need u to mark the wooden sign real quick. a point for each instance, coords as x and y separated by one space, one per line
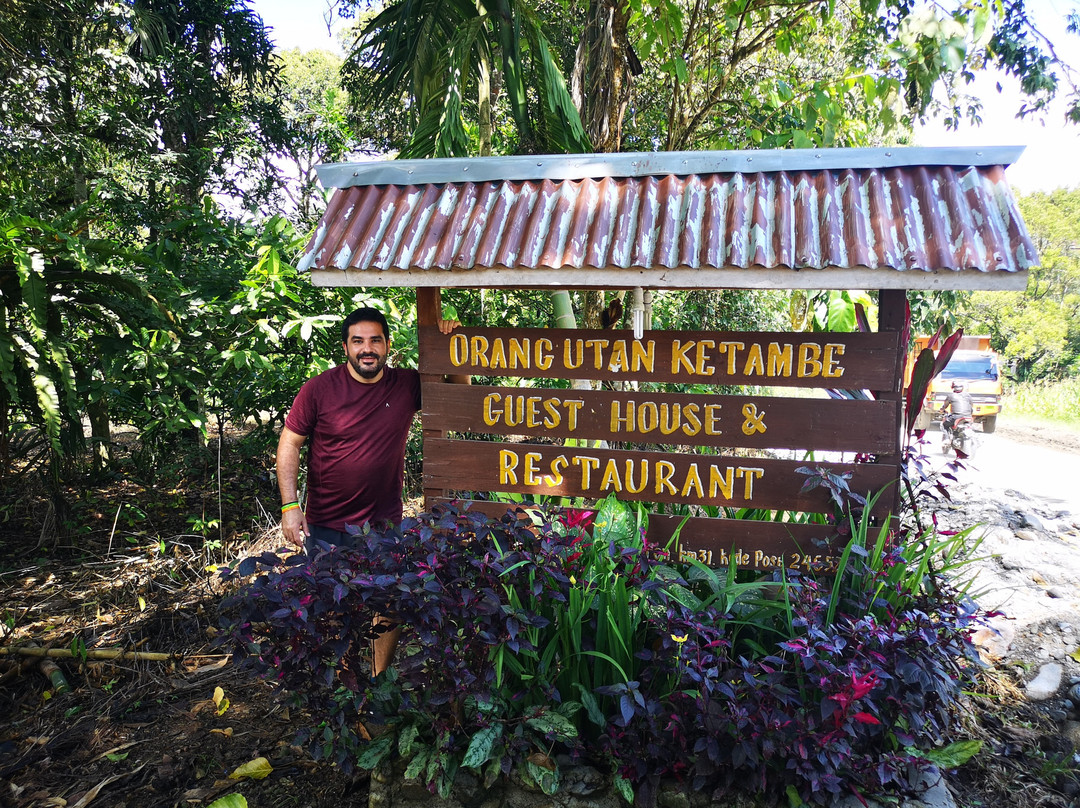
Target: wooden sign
763 546
544 435
756 422
639 476
849 361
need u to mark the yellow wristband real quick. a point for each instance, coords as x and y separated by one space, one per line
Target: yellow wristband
288 506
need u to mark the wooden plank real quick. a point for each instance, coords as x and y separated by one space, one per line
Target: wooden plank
848 361
759 422
893 317
428 312
763 546
642 476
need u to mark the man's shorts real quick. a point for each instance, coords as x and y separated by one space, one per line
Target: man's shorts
318 533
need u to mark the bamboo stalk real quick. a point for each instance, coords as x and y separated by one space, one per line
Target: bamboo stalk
97 653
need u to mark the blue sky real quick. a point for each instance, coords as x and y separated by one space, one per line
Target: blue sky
1052 157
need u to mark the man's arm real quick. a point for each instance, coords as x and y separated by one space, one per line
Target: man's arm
293 521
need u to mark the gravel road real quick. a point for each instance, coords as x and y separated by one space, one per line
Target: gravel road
1023 488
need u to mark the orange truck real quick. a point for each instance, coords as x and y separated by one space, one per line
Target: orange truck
978 368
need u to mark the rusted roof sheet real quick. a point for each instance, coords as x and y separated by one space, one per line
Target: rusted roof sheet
900 218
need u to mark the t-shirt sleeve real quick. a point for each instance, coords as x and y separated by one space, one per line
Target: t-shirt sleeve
302 415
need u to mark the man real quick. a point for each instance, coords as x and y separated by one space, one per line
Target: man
958 404
357 416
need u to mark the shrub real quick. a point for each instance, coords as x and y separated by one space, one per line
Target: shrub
527 639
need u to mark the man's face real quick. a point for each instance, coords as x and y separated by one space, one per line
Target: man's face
366 350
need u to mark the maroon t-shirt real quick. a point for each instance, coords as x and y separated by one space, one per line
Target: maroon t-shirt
356 444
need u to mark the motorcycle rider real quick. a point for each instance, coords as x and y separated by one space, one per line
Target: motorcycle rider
958 404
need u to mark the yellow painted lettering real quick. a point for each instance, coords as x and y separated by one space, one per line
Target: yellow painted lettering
749 474
643 356
721 483
692 421
618 361
664 470
491 417
498 355
670 418
572 407
833 352
619 422
597 346
478 347
780 359
532 411
809 360
514 412
557 465
692 482
647 417
702 366
587 465
531 471
519 353
554 417
568 358
508 462
610 480
712 419
459 344
679 357
755 361
732 350
643 477
543 358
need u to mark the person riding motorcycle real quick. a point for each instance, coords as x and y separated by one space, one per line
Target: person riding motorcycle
958 404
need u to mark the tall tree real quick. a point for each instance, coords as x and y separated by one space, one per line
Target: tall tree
1038 330
429 55
748 73
315 111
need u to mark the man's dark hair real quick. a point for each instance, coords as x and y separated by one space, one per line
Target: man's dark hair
366 314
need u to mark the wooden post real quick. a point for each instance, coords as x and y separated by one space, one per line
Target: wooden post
428 312
892 316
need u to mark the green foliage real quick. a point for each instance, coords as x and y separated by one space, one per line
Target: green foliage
1037 331
760 75
436 52
316 127
54 289
1046 400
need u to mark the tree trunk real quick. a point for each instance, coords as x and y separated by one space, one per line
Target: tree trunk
602 80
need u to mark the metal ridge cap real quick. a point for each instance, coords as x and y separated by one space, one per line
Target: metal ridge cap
558 167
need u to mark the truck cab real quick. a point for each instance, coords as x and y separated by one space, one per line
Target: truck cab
978 368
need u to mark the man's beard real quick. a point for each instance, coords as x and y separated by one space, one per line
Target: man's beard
368 371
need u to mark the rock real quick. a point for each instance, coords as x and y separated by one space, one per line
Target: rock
669 798
1028 519
935 795
583 781
993 640
1074 691
1046 683
1026 535
1060 593
1071 733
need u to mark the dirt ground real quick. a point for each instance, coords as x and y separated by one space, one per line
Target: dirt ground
1045 435
158 731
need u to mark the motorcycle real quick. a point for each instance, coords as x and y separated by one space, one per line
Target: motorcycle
960 437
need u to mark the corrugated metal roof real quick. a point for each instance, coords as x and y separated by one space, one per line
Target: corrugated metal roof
915 215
